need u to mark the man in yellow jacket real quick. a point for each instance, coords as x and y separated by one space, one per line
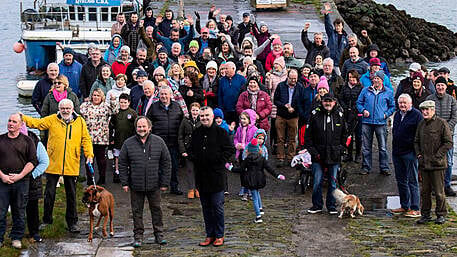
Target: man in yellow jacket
67 133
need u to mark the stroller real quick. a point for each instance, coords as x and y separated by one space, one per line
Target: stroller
302 162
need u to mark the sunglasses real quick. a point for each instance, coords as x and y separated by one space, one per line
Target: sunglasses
57 82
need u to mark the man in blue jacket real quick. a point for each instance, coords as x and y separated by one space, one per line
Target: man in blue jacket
174 37
72 69
228 92
337 37
376 103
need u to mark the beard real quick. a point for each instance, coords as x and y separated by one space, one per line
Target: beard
142 134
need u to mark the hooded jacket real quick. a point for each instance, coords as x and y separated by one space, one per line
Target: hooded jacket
313 49
263 107
445 108
250 132
365 80
64 142
384 63
119 66
251 171
188 125
112 52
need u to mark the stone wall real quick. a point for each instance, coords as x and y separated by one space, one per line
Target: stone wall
402 38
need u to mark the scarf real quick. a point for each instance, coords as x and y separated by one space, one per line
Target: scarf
59 96
276 53
253 98
207 83
150 102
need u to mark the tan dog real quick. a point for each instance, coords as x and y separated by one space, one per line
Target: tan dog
101 204
350 202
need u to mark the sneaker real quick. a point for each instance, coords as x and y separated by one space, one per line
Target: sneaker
244 197
398 211
73 228
159 239
137 243
314 210
37 238
190 194
208 241
364 172
261 211
332 211
440 220
258 219
385 172
218 242
226 193
449 192
16 244
413 214
424 219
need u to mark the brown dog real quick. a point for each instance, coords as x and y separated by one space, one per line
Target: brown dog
101 204
351 202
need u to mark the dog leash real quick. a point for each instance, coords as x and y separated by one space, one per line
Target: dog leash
340 186
92 172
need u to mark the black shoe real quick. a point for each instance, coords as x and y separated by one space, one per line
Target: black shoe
332 211
358 158
348 158
74 228
385 172
424 219
440 220
449 192
116 178
280 163
314 210
101 180
159 239
364 172
176 192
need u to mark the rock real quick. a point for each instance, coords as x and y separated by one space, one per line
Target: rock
399 60
407 43
404 52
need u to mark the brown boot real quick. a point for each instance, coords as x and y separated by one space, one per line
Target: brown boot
190 194
197 194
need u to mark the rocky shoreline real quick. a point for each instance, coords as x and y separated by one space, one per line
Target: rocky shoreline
402 38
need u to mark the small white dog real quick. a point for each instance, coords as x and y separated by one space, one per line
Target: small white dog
349 202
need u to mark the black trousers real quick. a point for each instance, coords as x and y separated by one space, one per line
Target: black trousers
71 214
33 219
137 203
100 157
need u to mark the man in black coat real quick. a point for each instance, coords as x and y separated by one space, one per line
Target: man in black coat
210 149
144 168
166 117
325 139
89 72
42 87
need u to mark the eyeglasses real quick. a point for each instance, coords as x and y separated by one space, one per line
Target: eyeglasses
159 75
57 82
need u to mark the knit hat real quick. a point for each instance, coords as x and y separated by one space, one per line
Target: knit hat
380 74
229 18
125 48
253 146
211 64
135 71
193 43
191 64
255 78
162 50
246 14
68 50
280 61
375 62
276 41
414 66
418 75
307 65
158 70
262 23
323 84
373 47
141 73
92 46
218 113
441 79
261 132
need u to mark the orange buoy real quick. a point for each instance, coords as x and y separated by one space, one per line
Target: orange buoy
18 47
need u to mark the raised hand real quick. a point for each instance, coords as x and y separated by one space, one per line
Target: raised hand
364 33
190 20
141 23
197 14
307 25
159 19
216 12
212 8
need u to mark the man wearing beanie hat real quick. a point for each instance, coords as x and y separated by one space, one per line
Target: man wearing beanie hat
376 103
446 108
71 69
325 139
193 50
162 60
367 79
433 140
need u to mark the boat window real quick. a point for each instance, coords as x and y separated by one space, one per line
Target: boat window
92 14
105 14
114 11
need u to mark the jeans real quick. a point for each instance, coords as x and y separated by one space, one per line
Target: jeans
318 176
16 196
71 214
448 171
137 203
406 174
367 144
174 167
257 201
213 213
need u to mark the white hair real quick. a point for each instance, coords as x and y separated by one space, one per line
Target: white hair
328 60
352 35
148 83
52 64
168 88
407 96
230 65
66 101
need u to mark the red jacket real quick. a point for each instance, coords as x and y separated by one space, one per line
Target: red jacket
263 108
269 62
119 67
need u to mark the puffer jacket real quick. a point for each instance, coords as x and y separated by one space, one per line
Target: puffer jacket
347 99
51 106
145 167
165 122
251 171
432 141
119 66
263 107
188 125
250 132
97 119
112 53
64 142
445 108
380 106
335 49
325 140
313 49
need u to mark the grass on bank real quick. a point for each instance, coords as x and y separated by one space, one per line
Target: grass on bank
57 230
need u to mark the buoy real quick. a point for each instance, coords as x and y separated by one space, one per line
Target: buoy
18 47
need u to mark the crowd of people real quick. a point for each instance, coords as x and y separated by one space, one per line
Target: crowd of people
225 97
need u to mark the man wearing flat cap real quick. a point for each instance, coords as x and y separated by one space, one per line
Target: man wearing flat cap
432 141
